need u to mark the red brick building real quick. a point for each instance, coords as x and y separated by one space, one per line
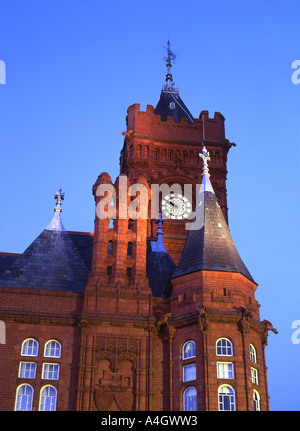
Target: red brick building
139 315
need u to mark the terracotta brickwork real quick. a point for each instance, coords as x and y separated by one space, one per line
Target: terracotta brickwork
122 347
165 152
43 316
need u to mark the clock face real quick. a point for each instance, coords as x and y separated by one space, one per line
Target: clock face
176 206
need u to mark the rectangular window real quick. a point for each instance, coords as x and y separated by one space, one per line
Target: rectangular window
254 375
189 372
50 371
27 370
225 370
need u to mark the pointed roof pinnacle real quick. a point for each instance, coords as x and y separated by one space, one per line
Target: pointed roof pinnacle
56 223
159 245
206 184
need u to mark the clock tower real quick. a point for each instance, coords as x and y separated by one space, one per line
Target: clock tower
163 145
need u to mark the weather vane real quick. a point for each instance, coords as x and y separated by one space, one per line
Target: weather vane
59 196
169 58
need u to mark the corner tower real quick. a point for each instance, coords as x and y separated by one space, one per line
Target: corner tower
218 339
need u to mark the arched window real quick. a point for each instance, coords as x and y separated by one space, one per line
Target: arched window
252 353
110 247
128 272
256 401
226 398
129 249
189 350
24 397
224 347
52 349
30 347
48 398
190 399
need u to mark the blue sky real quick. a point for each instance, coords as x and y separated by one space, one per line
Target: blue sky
74 67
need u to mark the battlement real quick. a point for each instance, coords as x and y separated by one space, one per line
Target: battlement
149 124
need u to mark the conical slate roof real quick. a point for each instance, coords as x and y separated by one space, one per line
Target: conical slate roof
51 262
160 266
170 104
209 245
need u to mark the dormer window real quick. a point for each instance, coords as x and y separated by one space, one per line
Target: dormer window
172 105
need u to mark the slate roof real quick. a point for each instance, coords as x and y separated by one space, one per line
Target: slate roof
159 269
84 243
61 260
51 262
7 259
210 246
178 112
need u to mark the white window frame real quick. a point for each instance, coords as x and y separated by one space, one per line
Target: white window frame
185 400
254 375
43 401
18 400
256 401
46 348
32 369
184 357
45 371
225 370
186 373
226 347
253 357
221 402
23 347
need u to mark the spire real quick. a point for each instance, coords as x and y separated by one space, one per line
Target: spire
159 245
170 103
209 245
56 223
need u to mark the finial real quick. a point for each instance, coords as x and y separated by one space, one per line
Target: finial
59 196
170 58
205 157
56 223
159 245
159 221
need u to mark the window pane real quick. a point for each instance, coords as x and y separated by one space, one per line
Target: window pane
252 353
190 399
189 350
51 371
256 401
224 347
226 398
225 370
48 399
189 372
53 349
27 370
110 247
24 398
30 348
254 375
